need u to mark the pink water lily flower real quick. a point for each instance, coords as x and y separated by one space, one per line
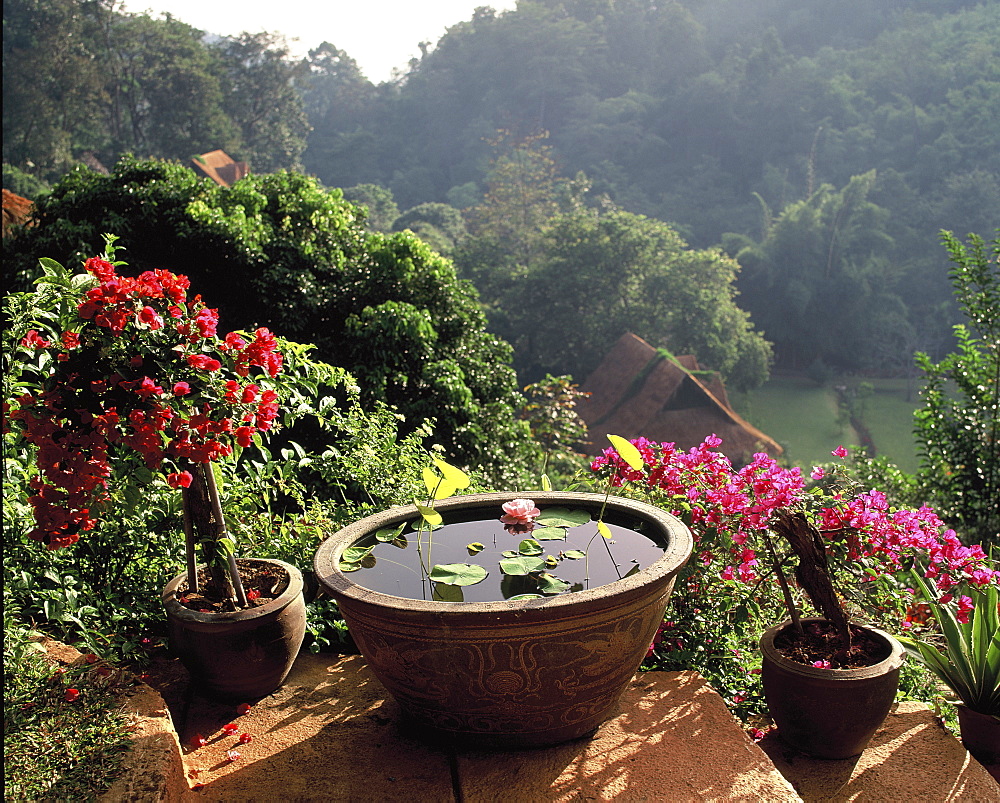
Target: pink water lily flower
519 511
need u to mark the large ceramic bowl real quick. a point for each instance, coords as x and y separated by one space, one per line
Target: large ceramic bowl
510 673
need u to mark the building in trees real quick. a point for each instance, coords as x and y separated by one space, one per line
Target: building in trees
640 391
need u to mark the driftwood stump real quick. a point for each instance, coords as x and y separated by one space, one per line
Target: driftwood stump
813 572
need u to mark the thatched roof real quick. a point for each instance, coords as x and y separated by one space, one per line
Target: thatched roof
221 168
16 210
640 391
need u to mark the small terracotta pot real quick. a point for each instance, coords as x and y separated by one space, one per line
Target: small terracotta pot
239 655
980 734
828 713
516 673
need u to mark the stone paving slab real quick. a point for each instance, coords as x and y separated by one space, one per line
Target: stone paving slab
673 740
331 733
911 757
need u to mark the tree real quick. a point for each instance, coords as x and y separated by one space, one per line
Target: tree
261 100
958 428
164 89
822 282
52 83
600 276
279 250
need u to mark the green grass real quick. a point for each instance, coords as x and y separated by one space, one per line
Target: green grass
56 749
803 418
800 416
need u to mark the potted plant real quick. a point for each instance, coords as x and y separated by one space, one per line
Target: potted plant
542 656
828 681
126 377
966 658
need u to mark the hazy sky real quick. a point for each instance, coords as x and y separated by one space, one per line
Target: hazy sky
378 34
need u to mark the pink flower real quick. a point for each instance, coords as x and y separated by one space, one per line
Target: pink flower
181 388
519 511
817 473
821 664
964 609
840 451
33 340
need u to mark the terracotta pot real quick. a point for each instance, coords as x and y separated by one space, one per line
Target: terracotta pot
980 734
828 713
510 673
239 655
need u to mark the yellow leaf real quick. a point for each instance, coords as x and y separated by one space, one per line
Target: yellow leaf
455 476
627 452
429 514
602 528
437 487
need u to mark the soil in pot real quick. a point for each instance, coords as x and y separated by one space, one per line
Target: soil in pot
521 561
821 645
262 583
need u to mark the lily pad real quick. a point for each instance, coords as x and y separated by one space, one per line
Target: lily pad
574 554
525 596
355 554
458 574
550 584
445 592
563 517
529 546
388 534
523 564
475 547
549 534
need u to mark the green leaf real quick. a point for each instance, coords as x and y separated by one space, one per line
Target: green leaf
563 517
429 514
522 564
529 546
574 554
458 574
445 592
627 452
475 547
550 584
549 534
525 596
633 570
509 553
388 535
355 554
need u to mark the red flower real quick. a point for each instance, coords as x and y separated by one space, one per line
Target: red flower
230 729
179 479
198 741
245 738
71 695
181 389
243 708
253 593
232 755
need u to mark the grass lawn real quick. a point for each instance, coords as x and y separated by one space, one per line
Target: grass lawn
803 418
